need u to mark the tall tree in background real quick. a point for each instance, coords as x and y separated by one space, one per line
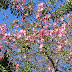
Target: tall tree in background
44 40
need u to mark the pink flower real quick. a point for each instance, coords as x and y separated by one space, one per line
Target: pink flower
54 24
45 26
5 35
17 0
41 5
24 55
40 9
24 32
36 24
60 35
21 60
56 30
18 7
51 32
23 1
68 15
27 44
17 66
14 39
66 41
21 31
9 34
41 49
59 47
26 14
27 38
13 45
49 68
1 47
64 25
62 19
70 53
37 16
19 36
22 18
41 45
1 56
48 15
67 0
45 21
30 7
46 32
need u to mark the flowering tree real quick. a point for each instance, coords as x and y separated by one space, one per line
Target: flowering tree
44 39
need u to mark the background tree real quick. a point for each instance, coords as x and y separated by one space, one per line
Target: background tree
45 33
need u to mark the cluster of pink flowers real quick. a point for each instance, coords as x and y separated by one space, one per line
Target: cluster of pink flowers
40 8
22 6
69 15
1 47
17 66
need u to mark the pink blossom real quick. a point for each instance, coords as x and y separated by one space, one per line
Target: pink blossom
66 41
62 19
22 18
56 30
26 14
5 35
17 0
41 45
18 7
67 0
9 34
37 16
26 38
45 21
30 7
49 68
39 41
48 15
41 5
36 24
70 58
51 32
34 12
19 36
27 44
24 32
21 60
59 47
24 55
1 56
54 24
39 10
64 25
60 35
70 53
68 15
45 26
21 31
41 49
13 45
23 1
14 39
1 47
17 66
46 32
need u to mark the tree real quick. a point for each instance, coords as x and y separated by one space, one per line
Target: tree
45 33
